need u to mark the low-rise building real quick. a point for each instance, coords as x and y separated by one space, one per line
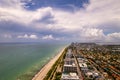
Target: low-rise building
81 60
69 76
83 66
92 75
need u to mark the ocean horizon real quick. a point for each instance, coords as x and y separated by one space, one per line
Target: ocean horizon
21 61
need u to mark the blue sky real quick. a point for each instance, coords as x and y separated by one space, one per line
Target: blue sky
61 4
59 20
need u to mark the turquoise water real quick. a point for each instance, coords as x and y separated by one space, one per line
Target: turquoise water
22 61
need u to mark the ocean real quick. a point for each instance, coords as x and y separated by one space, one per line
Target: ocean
21 61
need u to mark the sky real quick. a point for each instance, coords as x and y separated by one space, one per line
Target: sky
60 20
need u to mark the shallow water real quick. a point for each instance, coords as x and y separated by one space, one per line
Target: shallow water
22 61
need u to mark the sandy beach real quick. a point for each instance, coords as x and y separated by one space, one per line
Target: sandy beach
42 73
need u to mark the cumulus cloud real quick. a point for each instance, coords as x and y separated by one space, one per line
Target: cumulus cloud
92 15
12 10
114 37
33 36
50 37
95 21
22 16
95 13
93 34
26 36
47 37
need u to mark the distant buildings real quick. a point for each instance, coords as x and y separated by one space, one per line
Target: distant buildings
88 73
70 67
69 54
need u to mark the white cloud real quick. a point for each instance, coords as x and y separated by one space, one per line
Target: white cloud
85 21
33 36
91 16
113 37
26 36
48 37
12 10
116 35
93 34
88 21
96 13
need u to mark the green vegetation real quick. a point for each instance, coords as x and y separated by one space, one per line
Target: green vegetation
58 76
55 72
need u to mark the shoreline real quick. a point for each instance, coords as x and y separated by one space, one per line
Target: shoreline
45 69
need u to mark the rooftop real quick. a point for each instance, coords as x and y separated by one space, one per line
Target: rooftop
70 65
72 76
82 64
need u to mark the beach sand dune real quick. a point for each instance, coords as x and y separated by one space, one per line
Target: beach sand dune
42 73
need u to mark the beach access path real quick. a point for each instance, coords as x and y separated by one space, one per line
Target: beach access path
43 72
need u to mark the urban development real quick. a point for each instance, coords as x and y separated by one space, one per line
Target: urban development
87 61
